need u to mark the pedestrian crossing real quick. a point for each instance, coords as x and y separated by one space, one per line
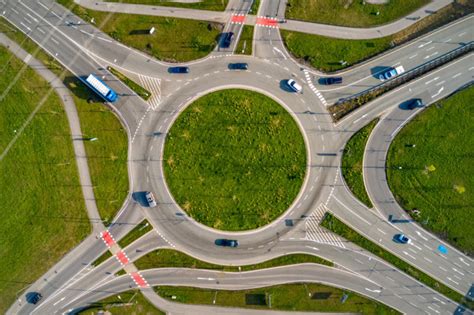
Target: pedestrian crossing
154 86
315 232
313 88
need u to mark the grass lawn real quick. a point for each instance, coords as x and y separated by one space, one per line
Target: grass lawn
288 297
352 162
174 40
234 160
246 37
125 303
350 13
135 87
140 230
325 53
107 157
335 225
42 208
213 5
163 258
254 7
443 135
102 258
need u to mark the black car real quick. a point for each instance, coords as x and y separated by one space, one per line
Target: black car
331 80
414 103
178 69
226 243
227 39
238 66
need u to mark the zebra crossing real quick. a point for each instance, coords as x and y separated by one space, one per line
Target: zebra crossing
154 86
313 88
316 233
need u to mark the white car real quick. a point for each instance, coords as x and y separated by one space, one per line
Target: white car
391 73
150 199
294 86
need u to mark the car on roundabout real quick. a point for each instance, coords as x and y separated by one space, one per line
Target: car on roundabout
179 69
401 238
238 66
150 198
294 86
226 243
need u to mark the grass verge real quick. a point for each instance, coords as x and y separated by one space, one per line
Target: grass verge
352 161
42 208
135 87
102 258
175 40
335 225
254 7
288 297
140 230
107 157
325 54
244 46
164 258
125 303
350 13
212 5
230 191
443 137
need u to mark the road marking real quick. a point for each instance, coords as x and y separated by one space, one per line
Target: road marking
423 45
420 235
412 250
29 29
358 119
41 31
442 268
463 33
452 280
433 309
54 40
448 40
44 6
435 298
421 297
352 211
438 93
139 280
429 260
411 57
458 271
360 262
52 12
29 15
427 247
311 247
374 291
457 277
440 83
237 19
431 81
417 247
208 279
389 278
432 47
266 22
409 255
381 231
15 11
59 301
462 260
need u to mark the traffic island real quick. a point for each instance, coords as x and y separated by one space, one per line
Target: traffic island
234 160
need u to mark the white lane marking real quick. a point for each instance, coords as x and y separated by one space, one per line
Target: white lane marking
43 5
438 93
471 68
417 247
458 271
315 248
30 16
435 298
463 33
55 15
428 260
56 303
425 44
462 260
420 235
208 279
432 47
352 211
433 309
448 40
421 297
452 280
389 278
440 83
381 231
431 81
374 291
361 117
412 250
456 75
29 29
360 262
409 255
54 40
15 11
427 247
41 31
411 57
442 268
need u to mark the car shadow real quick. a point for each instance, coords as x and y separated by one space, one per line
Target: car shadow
376 71
140 197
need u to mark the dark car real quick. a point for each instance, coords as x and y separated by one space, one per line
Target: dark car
331 80
227 39
414 103
178 69
33 297
401 238
226 243
238 66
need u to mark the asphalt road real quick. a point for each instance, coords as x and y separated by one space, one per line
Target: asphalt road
84 49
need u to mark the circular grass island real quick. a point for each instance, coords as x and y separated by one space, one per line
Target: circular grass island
234 160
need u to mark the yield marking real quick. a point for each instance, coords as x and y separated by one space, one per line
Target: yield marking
237 19
267 22
139 280
107 238
122 258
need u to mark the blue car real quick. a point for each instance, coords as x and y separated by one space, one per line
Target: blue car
401 238
178 69
226 243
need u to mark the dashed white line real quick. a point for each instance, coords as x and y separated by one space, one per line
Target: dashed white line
409 255
433 309
442 268
428 260
458 271
411 57
381 231
452 280
29 29
463 33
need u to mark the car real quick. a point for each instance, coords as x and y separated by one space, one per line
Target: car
294 86
227 39
178 69
150 199
238 66
34 297
414 103
331 80
226 243
401 238
391 73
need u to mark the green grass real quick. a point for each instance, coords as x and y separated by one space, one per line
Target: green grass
350 13
234 160
212 5
352 161
288 297
175 40
335 225
247 37
325 53
125 303
135 87
140 230
102 258
42 208
254 7
107 157
443 135
164 258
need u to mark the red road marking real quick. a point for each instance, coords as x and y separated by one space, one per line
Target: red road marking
122 257
108 239
139 280
237 19
264 21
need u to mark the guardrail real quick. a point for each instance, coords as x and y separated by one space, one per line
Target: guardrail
348 104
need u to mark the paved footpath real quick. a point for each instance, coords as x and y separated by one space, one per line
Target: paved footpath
291 25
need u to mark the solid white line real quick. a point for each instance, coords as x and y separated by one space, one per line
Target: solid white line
44 6
55 15
351 211
56 303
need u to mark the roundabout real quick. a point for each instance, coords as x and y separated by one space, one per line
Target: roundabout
234 160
